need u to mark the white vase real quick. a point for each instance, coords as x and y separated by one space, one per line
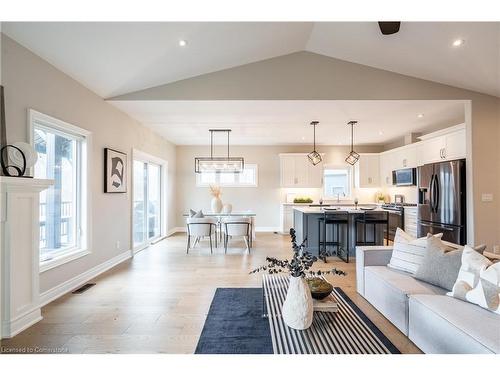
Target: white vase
227 208
216 205
297 309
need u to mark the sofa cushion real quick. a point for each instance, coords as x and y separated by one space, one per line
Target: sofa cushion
442 324
478 281
387 290
439 265
408 251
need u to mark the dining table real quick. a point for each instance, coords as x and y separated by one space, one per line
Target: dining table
222 215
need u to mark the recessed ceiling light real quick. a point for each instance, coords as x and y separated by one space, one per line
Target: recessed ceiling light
420 115
458 43
182 43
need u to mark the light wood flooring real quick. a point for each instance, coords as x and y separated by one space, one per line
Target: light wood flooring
157 302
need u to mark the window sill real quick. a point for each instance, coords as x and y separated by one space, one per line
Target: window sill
63 259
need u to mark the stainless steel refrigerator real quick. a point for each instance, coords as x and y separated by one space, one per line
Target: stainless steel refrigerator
442 200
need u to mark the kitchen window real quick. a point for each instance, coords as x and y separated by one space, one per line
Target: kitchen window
62 156
247 178
337 182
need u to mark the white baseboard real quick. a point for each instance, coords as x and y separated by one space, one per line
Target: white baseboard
21 323
71 284
175 230
267 229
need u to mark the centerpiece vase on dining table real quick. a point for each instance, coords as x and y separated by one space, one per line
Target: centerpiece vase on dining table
216 203
297 310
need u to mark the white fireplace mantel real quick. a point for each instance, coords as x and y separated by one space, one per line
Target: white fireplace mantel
19 253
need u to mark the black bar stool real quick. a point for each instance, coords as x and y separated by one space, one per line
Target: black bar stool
334 220
372 218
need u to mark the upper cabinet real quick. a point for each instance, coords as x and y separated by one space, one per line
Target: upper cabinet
446 144
366 171
298 172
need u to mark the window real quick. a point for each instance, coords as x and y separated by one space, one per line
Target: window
247 178
62 150
337 182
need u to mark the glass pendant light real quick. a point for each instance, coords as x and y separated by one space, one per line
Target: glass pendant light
221 164
353 156
314 157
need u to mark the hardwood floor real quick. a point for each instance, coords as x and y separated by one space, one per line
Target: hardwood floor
157 302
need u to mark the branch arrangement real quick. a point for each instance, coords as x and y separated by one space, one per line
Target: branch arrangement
299 265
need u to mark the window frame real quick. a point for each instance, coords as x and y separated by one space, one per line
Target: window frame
83 183
236 184
350 178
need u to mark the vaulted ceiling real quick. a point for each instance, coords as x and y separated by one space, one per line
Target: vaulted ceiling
116 58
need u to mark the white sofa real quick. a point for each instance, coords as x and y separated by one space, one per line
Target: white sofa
433 321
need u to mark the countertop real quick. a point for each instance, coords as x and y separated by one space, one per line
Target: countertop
351 210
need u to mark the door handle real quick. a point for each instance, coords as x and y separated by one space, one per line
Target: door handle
436 226
431 193
436 194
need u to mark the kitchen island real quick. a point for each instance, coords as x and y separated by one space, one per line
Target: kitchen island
306 225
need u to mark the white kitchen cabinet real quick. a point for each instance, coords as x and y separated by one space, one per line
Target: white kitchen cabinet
455 145
386 166
446 144
298 172
405 157
367 171
410 220
286 216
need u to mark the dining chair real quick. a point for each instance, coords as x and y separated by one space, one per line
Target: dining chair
200 228
237 227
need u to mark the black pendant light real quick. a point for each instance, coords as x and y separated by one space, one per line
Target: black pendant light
353 156
224 164
314 157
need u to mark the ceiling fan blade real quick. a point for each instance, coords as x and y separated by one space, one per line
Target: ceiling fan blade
388 28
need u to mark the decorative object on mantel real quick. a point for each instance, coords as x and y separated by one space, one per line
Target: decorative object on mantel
297 309
353 156
216 203
16 158
227 208
224 164
314 157
115 171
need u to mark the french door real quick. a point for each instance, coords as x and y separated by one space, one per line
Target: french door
147 204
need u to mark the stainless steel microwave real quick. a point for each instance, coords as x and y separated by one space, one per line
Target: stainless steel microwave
404 177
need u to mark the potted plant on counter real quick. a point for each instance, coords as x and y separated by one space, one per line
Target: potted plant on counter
297 309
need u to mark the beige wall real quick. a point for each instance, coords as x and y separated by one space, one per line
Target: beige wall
265 199
305 75
30 82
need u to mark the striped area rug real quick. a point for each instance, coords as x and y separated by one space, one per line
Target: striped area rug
347 331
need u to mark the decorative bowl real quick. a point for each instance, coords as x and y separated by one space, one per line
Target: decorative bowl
319 287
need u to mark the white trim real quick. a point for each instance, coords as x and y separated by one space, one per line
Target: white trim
71 284
441 132
267 229
172 231
84 226
21 323
63 259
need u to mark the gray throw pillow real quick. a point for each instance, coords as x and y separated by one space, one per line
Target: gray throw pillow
194 214
440 266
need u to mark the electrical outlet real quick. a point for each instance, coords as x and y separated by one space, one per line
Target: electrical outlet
117 245
487 197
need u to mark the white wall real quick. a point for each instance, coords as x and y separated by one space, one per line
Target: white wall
265 199
31 82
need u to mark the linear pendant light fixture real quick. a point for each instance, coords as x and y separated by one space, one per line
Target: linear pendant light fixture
353 156
221 164
314 157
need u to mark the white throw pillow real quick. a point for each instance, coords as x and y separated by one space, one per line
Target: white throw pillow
408 252
478 281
